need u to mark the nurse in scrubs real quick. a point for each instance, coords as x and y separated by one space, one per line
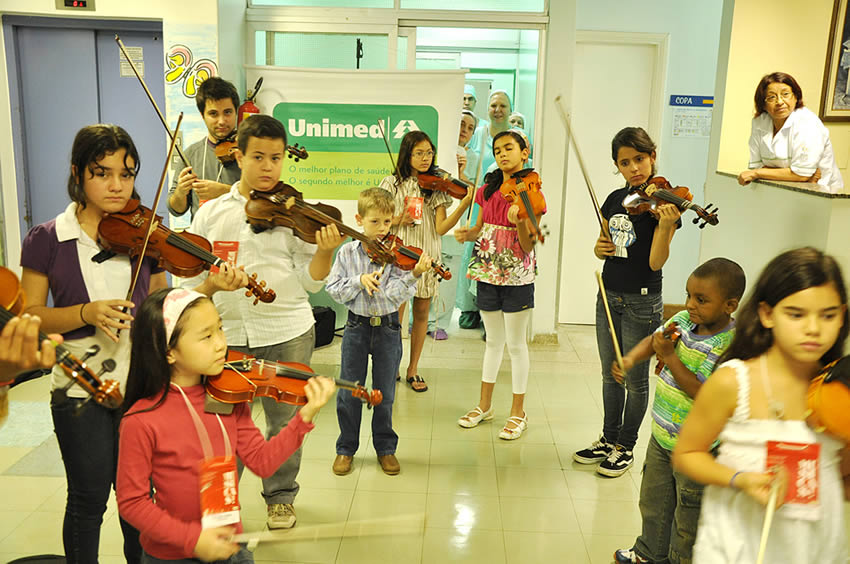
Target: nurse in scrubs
788 141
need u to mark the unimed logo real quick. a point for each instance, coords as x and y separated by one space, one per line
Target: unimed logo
353 127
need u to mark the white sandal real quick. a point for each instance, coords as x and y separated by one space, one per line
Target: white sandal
515 433
468 422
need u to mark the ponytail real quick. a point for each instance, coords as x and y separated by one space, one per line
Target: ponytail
492 182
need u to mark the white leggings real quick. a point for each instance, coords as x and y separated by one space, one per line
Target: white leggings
504 327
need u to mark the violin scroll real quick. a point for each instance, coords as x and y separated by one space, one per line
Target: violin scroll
296 152
259 290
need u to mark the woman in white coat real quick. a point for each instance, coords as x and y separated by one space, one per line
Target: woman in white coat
788 141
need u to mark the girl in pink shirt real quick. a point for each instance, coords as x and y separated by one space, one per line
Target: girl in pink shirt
504 264
166 437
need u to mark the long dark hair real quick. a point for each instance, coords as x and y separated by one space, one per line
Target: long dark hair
403 170
493 180
91 144
150 373
789 273
781 78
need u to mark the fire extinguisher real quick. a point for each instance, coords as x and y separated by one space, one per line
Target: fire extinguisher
248 107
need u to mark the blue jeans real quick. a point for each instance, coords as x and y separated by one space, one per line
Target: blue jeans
241 557
634 317
281 486
383 342
669 508
88 440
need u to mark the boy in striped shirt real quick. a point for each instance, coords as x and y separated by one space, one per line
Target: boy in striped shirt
669 501
372 295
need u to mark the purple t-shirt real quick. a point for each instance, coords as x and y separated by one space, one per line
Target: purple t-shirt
59 261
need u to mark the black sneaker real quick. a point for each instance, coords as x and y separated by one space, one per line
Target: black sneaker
617 462
597 452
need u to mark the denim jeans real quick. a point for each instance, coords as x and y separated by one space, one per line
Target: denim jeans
88 440
383 342
634 317
281 486
669 508
241 557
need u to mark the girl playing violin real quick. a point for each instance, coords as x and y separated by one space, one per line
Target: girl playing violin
793 324
177 340
88 302
504 265
635 251
415 156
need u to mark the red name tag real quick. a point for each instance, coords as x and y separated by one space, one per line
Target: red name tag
219 492
228 251
800 461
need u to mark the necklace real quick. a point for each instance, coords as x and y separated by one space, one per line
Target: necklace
775 408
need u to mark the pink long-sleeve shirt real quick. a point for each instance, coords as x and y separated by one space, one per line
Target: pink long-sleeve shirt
162 445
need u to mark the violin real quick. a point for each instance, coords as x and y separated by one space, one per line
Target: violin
672 333
225 149
245 377
828 399
406 257
284 206
181 254
439 179
657 191
105 392
523 189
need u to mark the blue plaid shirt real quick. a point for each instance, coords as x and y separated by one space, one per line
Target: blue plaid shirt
343 283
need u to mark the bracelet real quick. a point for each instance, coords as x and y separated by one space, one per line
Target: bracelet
82 307
732 479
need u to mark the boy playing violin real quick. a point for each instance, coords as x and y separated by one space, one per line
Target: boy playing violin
372 296
206 177
280 331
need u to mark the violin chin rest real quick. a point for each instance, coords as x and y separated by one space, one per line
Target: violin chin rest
212 405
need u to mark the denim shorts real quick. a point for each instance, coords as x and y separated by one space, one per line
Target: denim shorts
508 299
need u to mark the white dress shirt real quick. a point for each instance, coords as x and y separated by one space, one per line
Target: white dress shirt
277 256
802 145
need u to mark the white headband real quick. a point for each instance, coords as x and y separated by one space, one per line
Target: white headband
172 308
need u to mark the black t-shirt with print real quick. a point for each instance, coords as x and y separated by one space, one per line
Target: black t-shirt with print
628 270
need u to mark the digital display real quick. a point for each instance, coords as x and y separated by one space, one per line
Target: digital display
75 3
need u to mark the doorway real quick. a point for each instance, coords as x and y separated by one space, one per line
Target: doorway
620 95
65 74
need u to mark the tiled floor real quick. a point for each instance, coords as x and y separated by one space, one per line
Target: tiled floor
483 499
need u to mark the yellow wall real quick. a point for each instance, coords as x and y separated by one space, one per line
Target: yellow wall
783 35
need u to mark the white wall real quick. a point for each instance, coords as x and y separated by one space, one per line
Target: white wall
180 17
694 32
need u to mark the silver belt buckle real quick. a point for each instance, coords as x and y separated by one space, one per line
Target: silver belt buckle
375 321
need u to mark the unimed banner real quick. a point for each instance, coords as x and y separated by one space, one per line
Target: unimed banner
339 116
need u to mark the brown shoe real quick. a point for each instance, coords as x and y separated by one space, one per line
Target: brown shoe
342 464
389 464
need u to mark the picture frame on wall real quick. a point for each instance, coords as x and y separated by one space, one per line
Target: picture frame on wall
835 94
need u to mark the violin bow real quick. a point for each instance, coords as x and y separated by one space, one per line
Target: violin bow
611 325
150 97
153 224
768 519
477 178
565 118
411 523
387 144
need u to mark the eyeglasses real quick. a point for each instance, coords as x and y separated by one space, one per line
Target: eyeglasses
772 98
423 154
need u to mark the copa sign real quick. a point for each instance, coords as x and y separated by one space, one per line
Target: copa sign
692 101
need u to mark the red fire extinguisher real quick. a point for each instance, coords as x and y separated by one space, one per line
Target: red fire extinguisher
248 107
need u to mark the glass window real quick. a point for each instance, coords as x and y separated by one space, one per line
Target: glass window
324 50
401 59
481 5
326 3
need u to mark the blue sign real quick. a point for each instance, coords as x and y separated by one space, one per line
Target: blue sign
692 101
